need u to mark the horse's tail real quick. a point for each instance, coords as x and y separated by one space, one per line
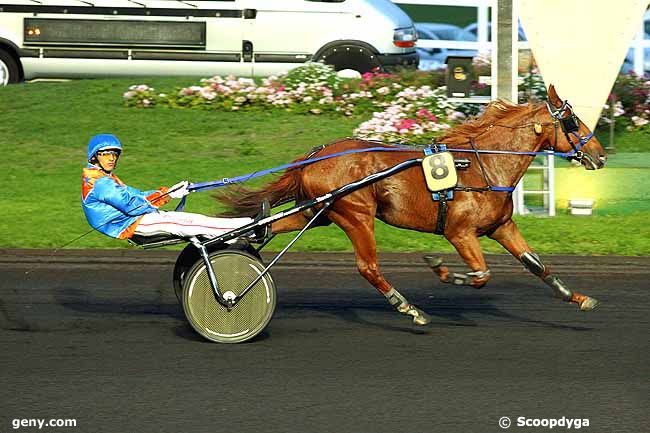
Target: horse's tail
241 201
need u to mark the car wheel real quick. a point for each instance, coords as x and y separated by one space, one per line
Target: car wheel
9 72
353 57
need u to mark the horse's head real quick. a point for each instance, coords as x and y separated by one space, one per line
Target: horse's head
576 139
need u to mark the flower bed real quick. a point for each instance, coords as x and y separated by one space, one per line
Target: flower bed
410 105
631 95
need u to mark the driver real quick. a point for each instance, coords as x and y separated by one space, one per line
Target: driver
121 211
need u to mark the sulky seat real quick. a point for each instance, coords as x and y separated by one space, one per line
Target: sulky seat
155 241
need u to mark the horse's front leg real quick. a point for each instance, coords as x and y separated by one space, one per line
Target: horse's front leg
469 248
360 230
509 236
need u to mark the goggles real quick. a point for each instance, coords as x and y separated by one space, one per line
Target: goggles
115 153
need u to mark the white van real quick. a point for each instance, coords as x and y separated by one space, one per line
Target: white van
93 38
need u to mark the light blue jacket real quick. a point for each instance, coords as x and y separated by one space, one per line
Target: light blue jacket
113 208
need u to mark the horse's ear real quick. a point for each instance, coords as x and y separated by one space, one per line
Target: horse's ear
553 98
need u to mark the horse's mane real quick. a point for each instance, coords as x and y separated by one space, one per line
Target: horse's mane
499 110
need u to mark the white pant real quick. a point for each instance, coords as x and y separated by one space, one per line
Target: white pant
187 224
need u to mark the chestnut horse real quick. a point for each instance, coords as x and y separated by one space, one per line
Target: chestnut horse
404 201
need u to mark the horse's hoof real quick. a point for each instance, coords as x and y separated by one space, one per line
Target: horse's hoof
433 262
420 318
589 304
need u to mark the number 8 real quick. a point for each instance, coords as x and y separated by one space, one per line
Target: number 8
438 168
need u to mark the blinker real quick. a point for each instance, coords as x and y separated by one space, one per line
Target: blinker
569 124
538 128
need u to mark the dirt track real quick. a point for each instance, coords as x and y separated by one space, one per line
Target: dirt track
100 337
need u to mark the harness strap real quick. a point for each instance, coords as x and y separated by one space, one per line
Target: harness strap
502 188
480 163
442 215
196 187
203 186
574 153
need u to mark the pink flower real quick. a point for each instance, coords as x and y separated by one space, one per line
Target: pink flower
367 76
406 124
423 112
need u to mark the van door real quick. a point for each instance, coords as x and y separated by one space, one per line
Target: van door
224 37
286 33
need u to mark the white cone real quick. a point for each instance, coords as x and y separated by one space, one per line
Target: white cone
579 46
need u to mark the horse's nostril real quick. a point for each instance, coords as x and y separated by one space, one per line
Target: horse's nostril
602 158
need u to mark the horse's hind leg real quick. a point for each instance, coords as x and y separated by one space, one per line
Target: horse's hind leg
509 236
360 230
469 248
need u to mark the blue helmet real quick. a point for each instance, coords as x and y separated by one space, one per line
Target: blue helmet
102 142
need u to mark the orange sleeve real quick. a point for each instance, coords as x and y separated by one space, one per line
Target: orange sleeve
157 199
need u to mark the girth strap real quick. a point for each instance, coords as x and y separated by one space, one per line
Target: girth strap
442 215
440 196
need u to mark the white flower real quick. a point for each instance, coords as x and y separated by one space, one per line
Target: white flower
207 93
618 109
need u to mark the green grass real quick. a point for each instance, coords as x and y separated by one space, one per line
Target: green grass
620 188
623 140
45 127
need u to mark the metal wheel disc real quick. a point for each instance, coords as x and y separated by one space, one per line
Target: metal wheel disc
234 271
4 74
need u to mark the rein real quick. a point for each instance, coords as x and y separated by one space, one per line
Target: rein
568 124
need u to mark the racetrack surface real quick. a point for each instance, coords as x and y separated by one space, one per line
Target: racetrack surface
99 337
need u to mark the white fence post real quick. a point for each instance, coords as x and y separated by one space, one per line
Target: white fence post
551 184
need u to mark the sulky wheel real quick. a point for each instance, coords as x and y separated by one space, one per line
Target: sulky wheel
189 256
234 270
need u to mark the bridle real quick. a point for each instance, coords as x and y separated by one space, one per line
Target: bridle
570 126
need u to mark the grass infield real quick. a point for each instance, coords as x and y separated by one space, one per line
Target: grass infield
45 127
